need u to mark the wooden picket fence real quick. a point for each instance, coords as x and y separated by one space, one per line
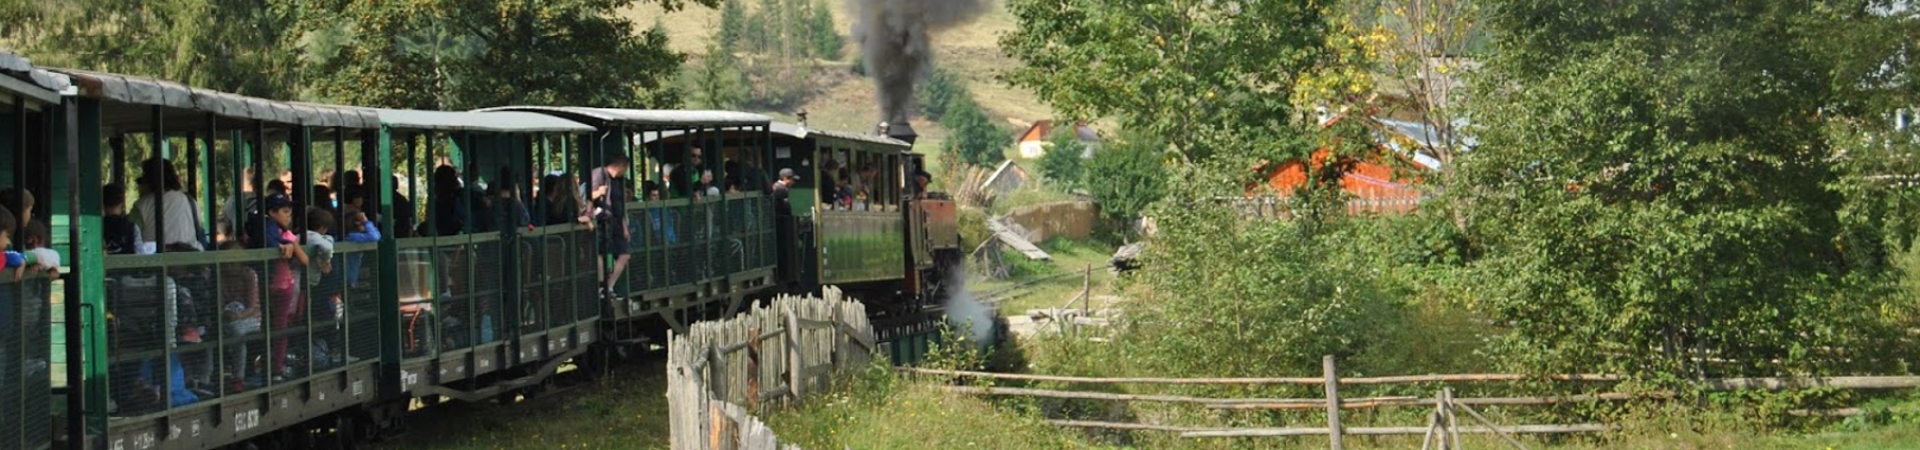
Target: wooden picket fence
1443 426
721 373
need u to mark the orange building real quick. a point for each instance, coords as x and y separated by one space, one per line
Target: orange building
1372 182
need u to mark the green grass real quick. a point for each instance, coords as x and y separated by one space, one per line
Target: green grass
880 411
626 411
1069 255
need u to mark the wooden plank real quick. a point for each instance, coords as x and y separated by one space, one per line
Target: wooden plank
1455 378
1391 431
1775 384
1376 402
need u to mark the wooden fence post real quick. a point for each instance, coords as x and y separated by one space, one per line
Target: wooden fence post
1333 402
796 369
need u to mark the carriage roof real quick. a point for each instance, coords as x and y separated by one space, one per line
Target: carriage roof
666 117
494 121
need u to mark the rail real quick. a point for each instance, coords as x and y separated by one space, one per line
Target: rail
720 372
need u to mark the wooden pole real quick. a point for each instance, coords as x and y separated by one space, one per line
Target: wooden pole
1333 401
1496 429
796 369
1453 425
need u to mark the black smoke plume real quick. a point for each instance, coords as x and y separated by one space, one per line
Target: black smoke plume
895 44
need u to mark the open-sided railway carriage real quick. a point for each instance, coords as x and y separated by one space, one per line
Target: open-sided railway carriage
190 343
692 259
483 306
874 236
30 130
162 367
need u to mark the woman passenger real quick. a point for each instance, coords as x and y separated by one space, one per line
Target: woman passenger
158 182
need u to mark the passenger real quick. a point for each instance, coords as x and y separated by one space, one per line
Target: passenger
830 183
782 189
319 224
20 201
234 217
159 183
609 198
327 178
43 259
450 212
359 229
707 184
278 187
281 288
687 177
558 204
175 393
665 220
403 212
920 181
118 233
322 198
509 213
347 180
325 286
479 205
240 286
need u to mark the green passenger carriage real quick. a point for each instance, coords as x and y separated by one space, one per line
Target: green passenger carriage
484 307
692 259
198 335
29 134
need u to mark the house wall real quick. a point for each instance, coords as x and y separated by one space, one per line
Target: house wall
1073 219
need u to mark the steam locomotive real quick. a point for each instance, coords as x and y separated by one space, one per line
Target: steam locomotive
193 340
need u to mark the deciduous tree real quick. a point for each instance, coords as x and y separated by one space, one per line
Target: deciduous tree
1664 171
1211 77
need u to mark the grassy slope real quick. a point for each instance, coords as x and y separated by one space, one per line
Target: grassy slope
847 102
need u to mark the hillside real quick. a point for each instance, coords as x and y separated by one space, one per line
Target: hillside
845 101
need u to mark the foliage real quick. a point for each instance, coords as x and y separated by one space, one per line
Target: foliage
825 41
443 54
973 227
976 139
1255 297
1062 163
1424 45
1663 190
166 39
939 91
1127 176
717 80
1209 78
733 26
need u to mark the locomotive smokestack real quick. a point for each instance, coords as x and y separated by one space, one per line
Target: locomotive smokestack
896 47
900 129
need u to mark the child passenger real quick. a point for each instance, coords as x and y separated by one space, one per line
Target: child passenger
283 294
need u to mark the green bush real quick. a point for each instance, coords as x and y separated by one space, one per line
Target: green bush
973 227
1062 164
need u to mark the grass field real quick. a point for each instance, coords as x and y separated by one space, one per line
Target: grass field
627 411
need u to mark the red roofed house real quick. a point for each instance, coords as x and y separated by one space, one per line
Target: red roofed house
1372 182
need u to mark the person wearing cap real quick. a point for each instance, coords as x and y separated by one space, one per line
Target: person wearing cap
283 294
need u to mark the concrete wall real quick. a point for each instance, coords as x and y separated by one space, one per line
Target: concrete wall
1074 219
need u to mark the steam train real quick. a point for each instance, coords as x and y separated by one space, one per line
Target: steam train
446 286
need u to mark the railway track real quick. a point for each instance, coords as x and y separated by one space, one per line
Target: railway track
996 296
